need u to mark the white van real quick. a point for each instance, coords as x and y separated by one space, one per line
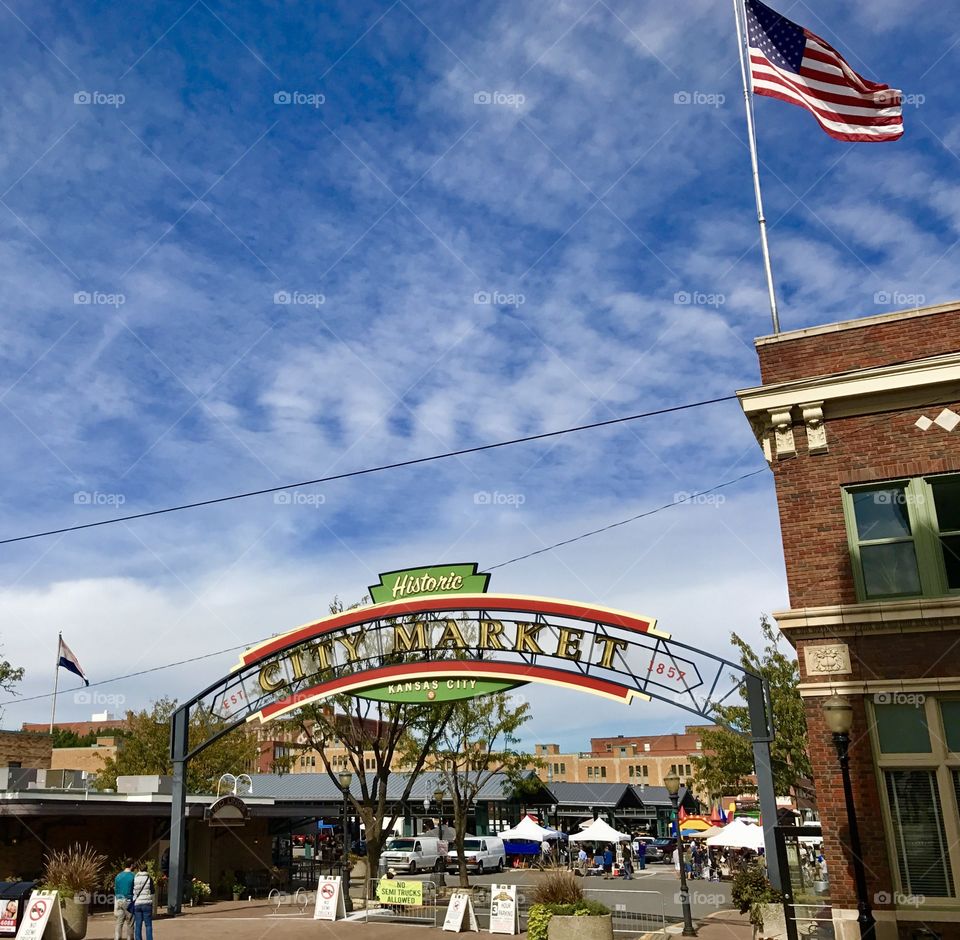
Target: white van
483 853
410 854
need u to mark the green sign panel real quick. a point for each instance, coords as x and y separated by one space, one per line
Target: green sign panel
433 579
421 691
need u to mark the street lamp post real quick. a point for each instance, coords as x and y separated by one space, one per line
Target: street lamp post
839 717
672 783
346 778
438 795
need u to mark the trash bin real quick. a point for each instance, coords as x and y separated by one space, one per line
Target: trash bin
14 897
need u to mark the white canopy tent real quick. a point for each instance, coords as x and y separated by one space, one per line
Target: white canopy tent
530 831
738 835
599 831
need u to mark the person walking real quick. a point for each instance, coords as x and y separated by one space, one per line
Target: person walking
607 862
642 855
142 904
582 862
122 896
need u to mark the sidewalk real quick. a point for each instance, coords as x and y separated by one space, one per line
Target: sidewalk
243 920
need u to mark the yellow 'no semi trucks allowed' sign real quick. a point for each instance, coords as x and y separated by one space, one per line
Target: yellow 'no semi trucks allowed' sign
391 891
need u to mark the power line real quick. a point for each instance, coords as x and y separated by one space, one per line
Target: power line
613 525
502 564
131 675
367 470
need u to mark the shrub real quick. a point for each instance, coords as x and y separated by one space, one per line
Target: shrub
76 871
557 887
751 891
538 920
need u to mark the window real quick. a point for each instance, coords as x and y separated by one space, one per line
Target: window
630 771
915 736
563 768
603 771
905 537
589 771
646 745
919 837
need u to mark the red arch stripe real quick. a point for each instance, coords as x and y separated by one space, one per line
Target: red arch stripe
436 602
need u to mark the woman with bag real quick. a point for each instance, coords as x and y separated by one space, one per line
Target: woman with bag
142 904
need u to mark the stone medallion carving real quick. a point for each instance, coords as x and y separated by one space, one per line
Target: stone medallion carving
830 660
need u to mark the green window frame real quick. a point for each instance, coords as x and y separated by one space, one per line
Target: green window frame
904 527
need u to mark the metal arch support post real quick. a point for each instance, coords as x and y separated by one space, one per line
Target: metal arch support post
179 747
761 733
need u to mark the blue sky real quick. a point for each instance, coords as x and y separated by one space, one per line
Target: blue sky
485 221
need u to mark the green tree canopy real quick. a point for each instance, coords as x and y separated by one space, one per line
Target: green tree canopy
725 767
146 750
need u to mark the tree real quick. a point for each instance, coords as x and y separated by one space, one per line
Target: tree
726 765
368 730
10 675
146 750
65 737
478 741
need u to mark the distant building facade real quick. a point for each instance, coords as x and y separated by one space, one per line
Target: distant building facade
640 760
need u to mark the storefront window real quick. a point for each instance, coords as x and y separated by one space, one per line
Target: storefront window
920 840
902 729
950 711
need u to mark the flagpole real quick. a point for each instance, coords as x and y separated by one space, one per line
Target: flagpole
739 9
56 681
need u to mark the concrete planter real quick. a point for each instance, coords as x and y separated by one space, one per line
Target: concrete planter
581 928
774 922
75 914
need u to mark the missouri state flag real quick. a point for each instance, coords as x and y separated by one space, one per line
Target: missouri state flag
69 662
791 63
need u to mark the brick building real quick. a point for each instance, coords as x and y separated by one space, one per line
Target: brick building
30 749
633 759
860 421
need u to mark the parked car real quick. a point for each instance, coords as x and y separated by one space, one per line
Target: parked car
483 853
415 853
661 850
359 847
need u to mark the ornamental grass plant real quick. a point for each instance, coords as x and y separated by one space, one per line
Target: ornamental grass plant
557 886
74 872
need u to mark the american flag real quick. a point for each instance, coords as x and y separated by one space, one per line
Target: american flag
791 63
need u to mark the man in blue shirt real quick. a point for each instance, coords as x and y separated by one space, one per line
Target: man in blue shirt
122 896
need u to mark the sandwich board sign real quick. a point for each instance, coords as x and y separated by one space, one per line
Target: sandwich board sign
504 915
42 919
330 904
459 911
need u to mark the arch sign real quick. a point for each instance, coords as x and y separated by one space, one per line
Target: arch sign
435 634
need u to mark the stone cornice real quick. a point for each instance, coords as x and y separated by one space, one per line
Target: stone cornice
920 373
878 617
777 407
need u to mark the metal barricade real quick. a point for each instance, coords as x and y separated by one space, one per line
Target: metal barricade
635 923
385 912
813 921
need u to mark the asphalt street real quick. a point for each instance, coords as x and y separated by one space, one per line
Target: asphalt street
649 889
